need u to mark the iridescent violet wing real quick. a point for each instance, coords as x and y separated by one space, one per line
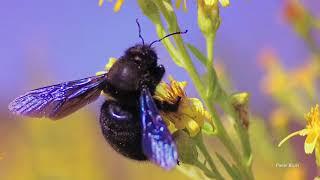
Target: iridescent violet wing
60 100
157 143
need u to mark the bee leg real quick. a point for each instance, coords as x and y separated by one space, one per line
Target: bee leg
168 107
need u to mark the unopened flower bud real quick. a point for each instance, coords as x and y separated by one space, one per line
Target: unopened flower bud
186 147
240 104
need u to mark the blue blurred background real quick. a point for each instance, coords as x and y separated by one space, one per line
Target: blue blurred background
74 39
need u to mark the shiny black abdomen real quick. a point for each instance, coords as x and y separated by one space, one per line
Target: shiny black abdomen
121 128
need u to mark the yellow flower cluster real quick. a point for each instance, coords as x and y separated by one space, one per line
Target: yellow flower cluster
191 113
280 82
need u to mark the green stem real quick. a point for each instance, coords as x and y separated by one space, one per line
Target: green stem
206 171
210 56
316 23
195 77
168 45
185 58
207 156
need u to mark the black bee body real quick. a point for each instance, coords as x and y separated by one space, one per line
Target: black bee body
129 118
119 118
122 129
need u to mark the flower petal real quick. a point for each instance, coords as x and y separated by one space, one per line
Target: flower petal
224 3
302 132
118 5
101 2
192 127
317 152
310 142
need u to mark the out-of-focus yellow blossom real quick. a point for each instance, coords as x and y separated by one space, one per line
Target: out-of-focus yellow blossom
191 113
305 77
296 14
296 173
293 11
279 118
116 7
312 131
276 80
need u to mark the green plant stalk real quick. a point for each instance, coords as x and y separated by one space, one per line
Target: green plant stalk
227 142
168 45
207 171
209 64
226 105
207 156
187 62
190 68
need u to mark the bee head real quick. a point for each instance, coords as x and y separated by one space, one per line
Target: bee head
143 55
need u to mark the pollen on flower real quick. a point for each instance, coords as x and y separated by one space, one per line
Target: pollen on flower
190 114
313 118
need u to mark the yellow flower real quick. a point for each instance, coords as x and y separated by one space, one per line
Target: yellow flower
305 78
312 131
191 113
293 11
294 174
279 118
276 81
116 7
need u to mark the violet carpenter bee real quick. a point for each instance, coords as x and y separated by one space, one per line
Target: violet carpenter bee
130 120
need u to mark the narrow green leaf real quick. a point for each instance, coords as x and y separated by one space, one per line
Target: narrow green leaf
237 171
198 54
227 167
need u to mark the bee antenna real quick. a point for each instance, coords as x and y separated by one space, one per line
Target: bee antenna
140 31
168 35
